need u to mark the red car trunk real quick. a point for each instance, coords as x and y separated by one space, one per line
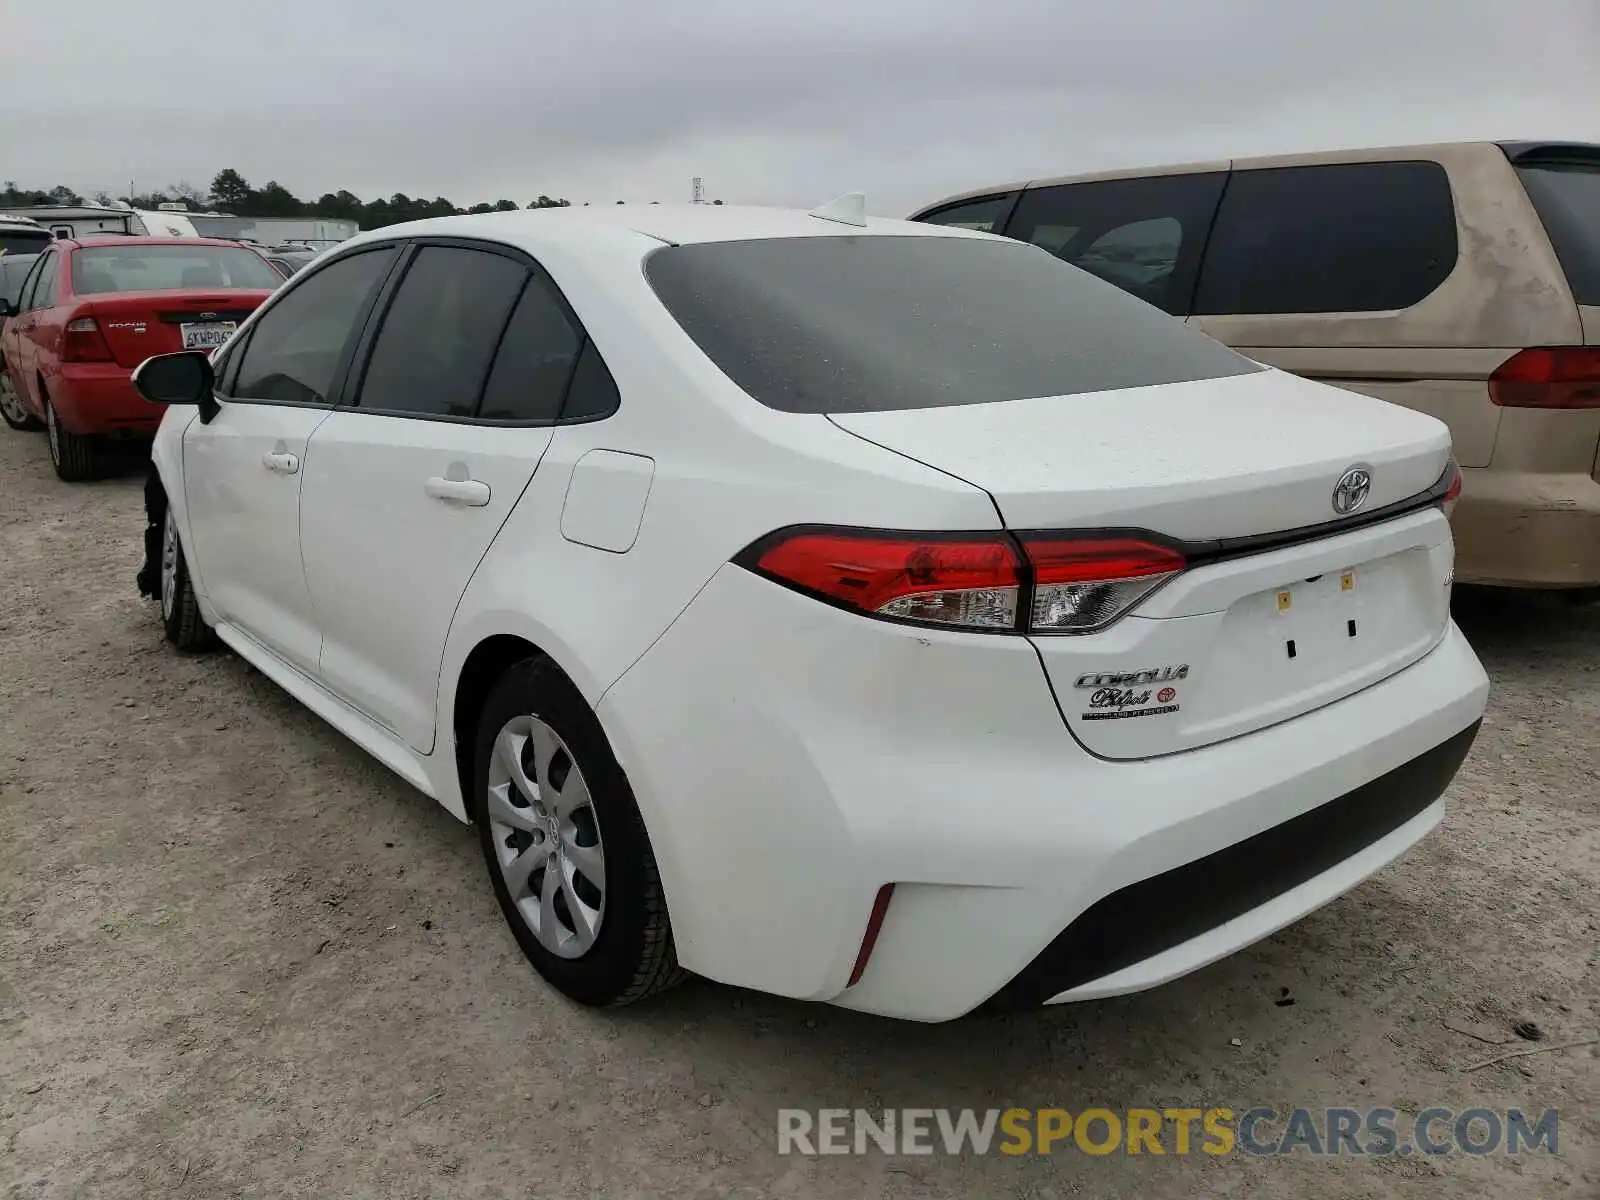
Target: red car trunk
137 325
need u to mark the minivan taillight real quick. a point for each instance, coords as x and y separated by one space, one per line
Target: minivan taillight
992 582
1548 377
83 342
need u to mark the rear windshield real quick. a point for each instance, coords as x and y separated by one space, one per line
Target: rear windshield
1567 195
166 268
863 324
24 241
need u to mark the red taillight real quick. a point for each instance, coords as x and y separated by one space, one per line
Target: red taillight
971 581
83 342
1452 491
1083 584
1548 377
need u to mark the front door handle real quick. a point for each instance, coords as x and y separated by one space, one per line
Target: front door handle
281 461
471 492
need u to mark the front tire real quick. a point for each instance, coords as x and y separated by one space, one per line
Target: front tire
180 611
77 457
12 410
566 848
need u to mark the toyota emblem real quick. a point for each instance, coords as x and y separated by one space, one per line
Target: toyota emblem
1350 493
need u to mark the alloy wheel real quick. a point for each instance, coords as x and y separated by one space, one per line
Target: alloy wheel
169 565
546 836
10 402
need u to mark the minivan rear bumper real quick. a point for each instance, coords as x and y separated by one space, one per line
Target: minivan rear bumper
1525 529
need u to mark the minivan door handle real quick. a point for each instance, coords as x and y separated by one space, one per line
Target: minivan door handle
471 492
281 461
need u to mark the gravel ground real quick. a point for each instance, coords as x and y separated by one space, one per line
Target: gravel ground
238 958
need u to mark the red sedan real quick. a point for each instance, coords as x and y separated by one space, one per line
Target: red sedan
92 310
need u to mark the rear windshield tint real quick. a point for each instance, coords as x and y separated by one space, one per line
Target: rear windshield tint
1567 195
142 268
863 324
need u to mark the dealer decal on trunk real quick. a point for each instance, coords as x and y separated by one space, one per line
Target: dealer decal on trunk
1112 699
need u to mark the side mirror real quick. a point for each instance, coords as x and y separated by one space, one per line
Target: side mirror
186 377
182 378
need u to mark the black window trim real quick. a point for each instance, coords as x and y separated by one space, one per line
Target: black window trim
341 368
354 380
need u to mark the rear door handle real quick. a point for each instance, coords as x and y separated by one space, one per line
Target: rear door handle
471 492
281 461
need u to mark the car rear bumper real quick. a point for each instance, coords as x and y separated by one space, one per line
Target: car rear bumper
819 755
100 398
1521 529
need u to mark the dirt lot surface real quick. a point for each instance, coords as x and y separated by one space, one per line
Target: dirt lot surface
238 958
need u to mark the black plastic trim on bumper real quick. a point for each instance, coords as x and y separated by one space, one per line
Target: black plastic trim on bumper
1156 914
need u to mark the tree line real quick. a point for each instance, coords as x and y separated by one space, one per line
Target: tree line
232 193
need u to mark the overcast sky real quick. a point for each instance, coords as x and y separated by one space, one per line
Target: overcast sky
770 101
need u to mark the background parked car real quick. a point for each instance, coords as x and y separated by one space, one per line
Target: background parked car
90 311
1461 280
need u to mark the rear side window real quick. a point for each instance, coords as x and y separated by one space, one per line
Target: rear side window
142 268
535 360
1567 196
982 215
834 324
295 346
1144 235
1342 237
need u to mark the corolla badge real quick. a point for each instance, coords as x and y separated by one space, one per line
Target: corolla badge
1350 493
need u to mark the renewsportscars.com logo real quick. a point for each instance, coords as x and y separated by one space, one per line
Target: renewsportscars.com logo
1260 1131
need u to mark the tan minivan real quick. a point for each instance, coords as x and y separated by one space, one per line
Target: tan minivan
1462 280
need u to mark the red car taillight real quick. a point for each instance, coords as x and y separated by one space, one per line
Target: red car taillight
1030 583
83 342
1452 491
1548 377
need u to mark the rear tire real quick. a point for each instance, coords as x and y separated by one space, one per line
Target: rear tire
180 611
12 410
77 457
543 750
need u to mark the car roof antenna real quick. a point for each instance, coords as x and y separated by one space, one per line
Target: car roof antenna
848 209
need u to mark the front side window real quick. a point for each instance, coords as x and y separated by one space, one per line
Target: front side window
1338 237
433 352
296 346
982 215
841 324
1144 235
143 268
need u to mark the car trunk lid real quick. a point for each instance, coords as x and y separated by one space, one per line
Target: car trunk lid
137 325
1285 606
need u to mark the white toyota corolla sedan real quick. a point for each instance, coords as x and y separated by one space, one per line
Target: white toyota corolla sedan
855 610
